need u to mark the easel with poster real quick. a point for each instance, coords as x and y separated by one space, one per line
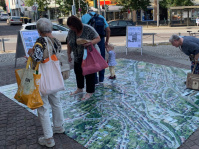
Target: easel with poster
25 41
133 37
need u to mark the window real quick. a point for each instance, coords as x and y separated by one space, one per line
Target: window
55 28
31 27
122 23
114 23
130 23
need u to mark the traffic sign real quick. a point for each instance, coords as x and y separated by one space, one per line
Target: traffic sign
34 8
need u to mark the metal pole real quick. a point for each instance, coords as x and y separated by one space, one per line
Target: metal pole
157 13
99 11
79 9
3 45
104 9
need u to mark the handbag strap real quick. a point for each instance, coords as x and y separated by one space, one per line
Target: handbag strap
46 39
29 62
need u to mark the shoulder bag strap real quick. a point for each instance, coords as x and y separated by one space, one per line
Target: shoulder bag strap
46 39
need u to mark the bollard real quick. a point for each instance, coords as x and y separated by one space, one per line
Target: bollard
3 45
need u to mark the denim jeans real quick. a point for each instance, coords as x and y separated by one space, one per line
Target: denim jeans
101 45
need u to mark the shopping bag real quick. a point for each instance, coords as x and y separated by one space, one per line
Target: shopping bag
193 79
51 78
94 62
28 86
64 64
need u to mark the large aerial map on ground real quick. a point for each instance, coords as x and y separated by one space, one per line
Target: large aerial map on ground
146 107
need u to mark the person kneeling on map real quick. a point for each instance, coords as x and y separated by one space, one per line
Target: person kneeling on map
189 45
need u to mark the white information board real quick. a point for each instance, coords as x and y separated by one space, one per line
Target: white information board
25 40
29 38
134 37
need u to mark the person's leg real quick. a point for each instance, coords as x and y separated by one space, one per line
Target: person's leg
57 113
110 70
43 115
79 78
90 86
101 45
113 71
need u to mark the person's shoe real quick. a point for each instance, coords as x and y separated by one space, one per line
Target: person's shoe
114 77
58 129
47 142
87 96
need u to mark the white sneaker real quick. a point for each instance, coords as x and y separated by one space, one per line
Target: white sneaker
47 142
58 129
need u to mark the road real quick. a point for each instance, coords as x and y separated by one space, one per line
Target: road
9 33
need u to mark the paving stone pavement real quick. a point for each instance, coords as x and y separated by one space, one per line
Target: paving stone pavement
20 129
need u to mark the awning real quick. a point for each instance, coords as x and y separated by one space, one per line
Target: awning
184 7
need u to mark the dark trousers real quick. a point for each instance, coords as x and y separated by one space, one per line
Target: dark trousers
90 79
101 45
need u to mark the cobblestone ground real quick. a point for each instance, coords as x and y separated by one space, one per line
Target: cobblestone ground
20 129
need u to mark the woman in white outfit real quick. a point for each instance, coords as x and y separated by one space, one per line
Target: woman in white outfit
39 53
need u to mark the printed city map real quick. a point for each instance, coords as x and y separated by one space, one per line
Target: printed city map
146 107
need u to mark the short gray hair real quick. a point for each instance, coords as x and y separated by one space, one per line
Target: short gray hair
44 25
173 38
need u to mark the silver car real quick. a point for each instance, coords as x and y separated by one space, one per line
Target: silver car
59 32
14 20
4 16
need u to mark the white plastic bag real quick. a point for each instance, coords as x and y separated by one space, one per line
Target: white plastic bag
51 78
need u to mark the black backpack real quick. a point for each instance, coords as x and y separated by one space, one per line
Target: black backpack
98 23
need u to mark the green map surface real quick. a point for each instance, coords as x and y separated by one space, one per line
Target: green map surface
146 107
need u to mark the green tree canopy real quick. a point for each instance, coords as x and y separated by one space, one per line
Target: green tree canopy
42 4
133 4
65 6
3 4
173 3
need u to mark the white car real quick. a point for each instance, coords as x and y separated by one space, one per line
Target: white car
4 16
59 32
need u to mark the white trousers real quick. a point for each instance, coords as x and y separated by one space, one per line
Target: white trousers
57 114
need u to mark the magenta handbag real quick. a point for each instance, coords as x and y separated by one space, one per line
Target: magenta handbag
94 62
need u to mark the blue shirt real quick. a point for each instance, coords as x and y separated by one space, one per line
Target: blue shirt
86 18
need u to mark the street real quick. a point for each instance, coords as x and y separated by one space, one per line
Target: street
9 33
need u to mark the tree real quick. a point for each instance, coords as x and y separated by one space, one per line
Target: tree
42 4
134 4
65 6
3 4
173 3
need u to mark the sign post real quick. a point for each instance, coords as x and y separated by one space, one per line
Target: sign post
134 37
25 41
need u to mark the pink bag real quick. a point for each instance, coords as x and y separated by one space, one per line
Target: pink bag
94 62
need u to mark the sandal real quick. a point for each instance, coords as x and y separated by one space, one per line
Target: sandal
76 92
87 96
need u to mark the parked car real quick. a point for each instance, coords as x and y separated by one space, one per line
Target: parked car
118 27
4 16
14 20
59 32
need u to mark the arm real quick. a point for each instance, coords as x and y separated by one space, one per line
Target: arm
69 52
108 32
94 41
197 57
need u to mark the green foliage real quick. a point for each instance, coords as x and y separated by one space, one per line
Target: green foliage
42 4
133 4
65 7
3 4
173 3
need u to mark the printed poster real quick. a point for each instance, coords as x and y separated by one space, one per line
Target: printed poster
29 38
134 36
